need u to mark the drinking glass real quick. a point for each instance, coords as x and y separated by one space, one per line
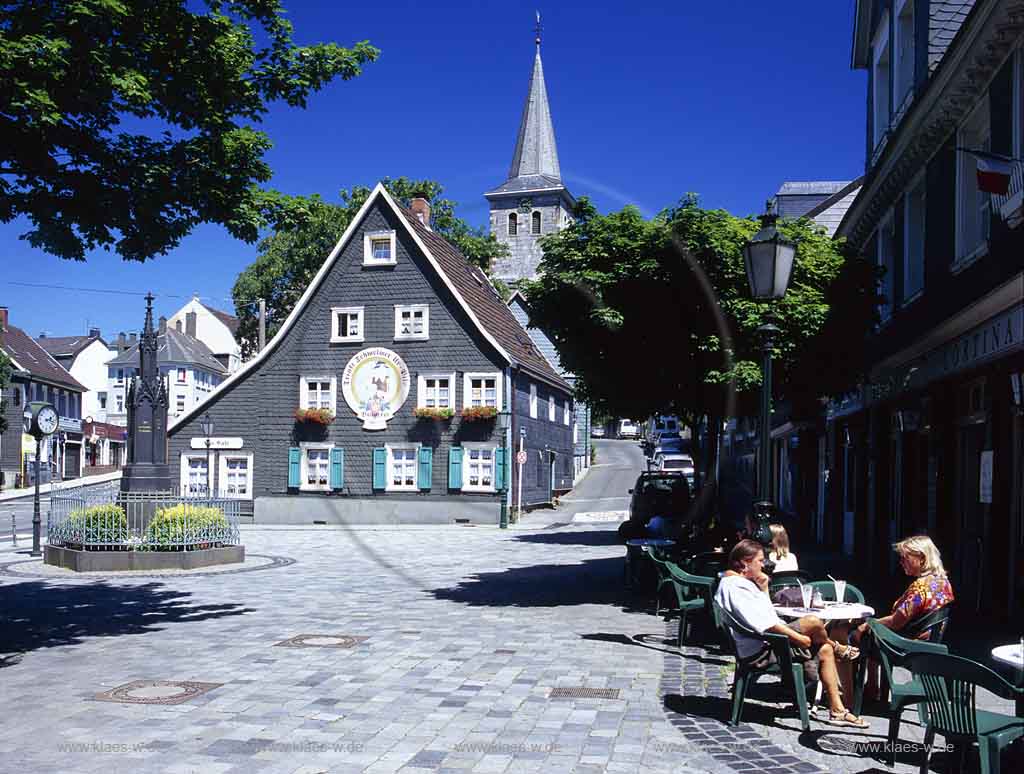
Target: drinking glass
807 592
840 591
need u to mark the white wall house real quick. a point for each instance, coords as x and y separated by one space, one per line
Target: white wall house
216 329
85 358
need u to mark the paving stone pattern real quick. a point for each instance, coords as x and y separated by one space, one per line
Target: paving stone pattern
467 633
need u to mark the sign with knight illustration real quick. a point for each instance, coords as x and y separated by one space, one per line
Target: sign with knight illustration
375 384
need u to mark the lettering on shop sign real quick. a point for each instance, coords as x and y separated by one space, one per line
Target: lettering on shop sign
989 340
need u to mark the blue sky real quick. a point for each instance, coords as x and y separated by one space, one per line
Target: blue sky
650 101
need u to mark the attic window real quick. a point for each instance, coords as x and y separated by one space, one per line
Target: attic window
379 249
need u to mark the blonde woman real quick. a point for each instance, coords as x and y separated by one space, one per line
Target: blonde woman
780 554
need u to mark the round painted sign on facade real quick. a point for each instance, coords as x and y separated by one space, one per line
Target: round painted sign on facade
375 384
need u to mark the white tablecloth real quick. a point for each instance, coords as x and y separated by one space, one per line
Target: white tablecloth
832 612
1009 654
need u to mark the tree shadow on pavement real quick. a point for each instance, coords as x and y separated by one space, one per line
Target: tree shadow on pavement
40 615
602 537
592 582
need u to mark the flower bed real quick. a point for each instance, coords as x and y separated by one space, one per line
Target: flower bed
317 416
97 527
186 527
479 413
433 413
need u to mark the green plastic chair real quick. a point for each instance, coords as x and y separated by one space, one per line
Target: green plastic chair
893 651
692 592
787 579
786 667
827 590
950 685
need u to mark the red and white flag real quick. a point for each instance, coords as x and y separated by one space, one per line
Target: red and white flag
993 174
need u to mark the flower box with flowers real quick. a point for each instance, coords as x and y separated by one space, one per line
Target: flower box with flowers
317 416
433 413
479 413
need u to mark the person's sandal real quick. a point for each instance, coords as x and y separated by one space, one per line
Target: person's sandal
845 718
845 652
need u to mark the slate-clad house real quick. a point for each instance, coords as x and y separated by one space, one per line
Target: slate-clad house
395 322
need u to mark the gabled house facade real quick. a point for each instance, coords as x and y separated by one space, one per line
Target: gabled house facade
216 329
36 375
378 401
935 442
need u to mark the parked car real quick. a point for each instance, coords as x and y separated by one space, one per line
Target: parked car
597 431
628 429
658 494
669 443
670 461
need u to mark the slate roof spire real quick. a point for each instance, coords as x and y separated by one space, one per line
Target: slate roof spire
535 152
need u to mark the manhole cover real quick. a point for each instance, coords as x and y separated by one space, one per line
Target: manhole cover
156 691
582 692
322 641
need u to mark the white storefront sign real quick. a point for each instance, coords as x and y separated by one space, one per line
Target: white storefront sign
375 384
216 443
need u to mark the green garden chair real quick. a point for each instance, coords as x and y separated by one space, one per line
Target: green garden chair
692 592
826 589
893 651
786 667
787 579
950 708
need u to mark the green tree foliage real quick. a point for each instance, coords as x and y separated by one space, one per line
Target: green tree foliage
288 260
5 378
126 123
655 315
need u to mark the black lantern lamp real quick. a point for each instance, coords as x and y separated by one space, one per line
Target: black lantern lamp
504 422
769 261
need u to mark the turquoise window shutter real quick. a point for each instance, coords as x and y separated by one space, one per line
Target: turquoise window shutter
294 467
426 471
337 468
455 467
499 468
380 468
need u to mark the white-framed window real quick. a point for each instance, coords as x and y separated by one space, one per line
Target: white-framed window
412 321
120 403
481 390
379 248
346 323
513 224
913 240
566 414
551 408
120 376
182 375
435 391
533 401
180 404
881 81
535 222
973 206
195 474
402 468
478 467
903 73
316 467
886 260
575 432
102 396
234 475
318 392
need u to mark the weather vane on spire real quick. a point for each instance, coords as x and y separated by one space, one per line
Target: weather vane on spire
538 28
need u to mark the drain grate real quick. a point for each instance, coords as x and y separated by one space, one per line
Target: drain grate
321 641
582 692
156 692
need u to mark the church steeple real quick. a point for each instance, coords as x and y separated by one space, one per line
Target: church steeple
535 152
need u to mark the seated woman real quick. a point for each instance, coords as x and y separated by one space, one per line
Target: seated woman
780 554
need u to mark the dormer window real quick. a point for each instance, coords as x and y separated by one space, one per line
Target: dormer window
535 222
513 224
379 249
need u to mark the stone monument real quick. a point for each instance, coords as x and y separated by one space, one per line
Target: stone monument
147 469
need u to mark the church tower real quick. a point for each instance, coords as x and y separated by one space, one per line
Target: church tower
532 202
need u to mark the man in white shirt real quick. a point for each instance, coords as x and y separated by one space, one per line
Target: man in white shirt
743 592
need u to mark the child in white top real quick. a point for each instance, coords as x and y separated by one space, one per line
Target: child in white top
780 554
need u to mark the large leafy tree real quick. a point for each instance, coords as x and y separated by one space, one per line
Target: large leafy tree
128 122
289 259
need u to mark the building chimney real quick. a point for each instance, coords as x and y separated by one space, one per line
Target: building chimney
121 344
131 339
163 324
177 325
42 334
3 319
190 324
94 333
421 209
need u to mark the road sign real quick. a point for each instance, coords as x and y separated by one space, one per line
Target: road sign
521 457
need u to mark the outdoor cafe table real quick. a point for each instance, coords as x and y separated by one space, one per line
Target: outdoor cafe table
835 611
646 544
1014 656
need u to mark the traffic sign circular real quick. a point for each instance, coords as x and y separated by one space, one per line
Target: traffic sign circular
521 457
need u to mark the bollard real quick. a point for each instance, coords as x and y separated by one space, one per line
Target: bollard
14 530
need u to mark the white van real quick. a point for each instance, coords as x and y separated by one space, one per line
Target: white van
628 429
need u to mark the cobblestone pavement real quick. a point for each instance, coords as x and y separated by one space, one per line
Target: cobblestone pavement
468 631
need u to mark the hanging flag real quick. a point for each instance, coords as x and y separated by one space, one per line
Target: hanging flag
993 174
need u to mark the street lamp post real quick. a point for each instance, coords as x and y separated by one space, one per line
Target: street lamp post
769 262
206 424
504 420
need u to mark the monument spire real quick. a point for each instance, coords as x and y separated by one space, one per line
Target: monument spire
535 152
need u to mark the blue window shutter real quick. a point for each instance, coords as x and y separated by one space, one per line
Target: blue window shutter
499 468
337 468
426 471
455 467
380 468
294 467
